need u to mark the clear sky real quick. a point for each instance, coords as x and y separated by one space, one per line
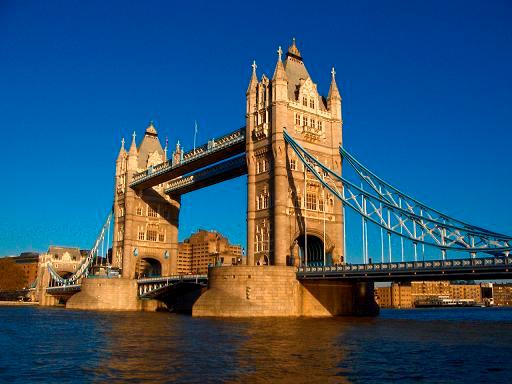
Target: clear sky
426 87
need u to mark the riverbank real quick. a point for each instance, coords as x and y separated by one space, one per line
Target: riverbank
17 303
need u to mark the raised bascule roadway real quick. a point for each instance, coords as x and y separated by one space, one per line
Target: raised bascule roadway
291 151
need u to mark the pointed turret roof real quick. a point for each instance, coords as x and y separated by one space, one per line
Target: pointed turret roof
294 51
133 147
149 145
122 151
151 130
334 93
279 72
295 70
254 79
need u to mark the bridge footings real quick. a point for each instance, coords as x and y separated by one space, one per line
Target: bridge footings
257 291
115 294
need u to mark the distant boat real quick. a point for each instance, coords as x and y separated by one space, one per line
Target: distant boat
440 301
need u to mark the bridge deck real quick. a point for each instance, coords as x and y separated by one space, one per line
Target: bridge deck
220 172
215 151
456 269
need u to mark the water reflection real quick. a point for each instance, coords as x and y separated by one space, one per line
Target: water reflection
162 347
444 346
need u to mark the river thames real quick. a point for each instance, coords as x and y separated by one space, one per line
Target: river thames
465 345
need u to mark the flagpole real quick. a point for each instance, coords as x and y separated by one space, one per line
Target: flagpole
195 133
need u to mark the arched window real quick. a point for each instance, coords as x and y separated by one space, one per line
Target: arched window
312 103
311 201
305 101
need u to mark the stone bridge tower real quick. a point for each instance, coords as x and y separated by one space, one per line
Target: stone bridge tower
284 202
146 223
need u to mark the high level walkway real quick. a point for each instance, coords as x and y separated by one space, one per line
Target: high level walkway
214 151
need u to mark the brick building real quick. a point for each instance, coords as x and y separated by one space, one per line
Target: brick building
205 248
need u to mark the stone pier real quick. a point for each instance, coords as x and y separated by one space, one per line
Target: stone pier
256 291
110 295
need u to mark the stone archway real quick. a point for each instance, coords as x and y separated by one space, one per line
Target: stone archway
149 267
263 260
65 274
315 251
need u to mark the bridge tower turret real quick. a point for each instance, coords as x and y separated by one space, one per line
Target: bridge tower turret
146 222
289 218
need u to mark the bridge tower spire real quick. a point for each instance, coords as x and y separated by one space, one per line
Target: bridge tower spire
278 204
146 222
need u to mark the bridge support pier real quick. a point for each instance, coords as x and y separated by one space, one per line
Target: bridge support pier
275 291
114 294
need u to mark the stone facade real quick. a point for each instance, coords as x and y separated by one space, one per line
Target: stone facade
245 291
65 261
281 205
110 294
146 223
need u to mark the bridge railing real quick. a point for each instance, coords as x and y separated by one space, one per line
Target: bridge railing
212 146
172 278
413 265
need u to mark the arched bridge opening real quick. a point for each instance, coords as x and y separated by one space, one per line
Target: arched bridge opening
149 267
312 251
178 296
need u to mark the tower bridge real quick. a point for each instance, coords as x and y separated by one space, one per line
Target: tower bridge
298 199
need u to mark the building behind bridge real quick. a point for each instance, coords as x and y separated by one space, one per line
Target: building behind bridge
502 294
408 295
28 261
205 248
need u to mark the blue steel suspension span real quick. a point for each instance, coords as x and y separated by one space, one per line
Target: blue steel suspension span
428 226
84 267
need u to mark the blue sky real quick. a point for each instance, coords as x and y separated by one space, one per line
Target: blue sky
426 87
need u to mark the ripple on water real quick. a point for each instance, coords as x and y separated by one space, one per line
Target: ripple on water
435 346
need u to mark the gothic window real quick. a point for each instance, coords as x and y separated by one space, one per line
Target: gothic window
141 235
305 121
297 119
311 201
120 212
312 103
293 164
151 235
120 233
161 237
319 124
265 200
258 166
321 205
139 211
152 212
313 123
258 241
305 101
265 165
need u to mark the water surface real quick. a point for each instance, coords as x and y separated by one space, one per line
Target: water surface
456 345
